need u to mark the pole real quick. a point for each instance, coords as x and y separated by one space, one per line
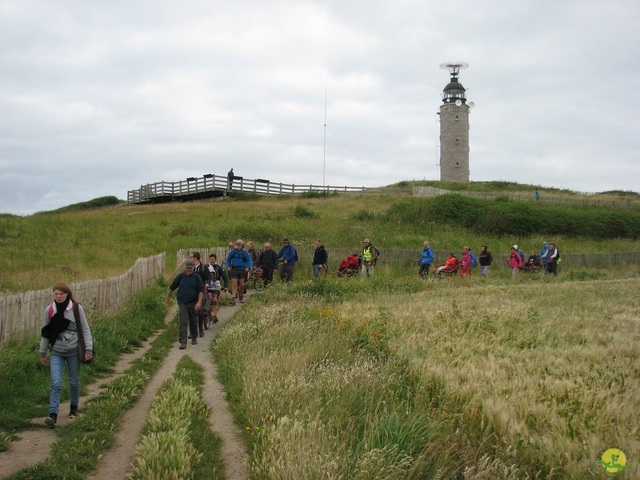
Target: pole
324 154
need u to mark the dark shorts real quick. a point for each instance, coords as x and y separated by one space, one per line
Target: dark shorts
238 273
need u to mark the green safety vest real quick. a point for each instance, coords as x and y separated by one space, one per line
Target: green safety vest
366 254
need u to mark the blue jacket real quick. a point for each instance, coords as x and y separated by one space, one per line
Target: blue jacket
288 254
239 259
427 256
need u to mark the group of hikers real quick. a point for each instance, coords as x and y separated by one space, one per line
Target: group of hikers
201 286
546 260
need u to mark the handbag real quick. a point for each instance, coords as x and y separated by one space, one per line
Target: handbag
82 348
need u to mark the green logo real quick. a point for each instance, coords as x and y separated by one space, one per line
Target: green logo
614 461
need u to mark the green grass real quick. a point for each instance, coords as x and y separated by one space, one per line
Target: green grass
105 242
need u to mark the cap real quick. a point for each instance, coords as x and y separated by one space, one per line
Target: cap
551 243
545 243
189 264
366 240
515 246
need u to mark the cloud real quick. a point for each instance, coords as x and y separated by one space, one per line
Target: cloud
98 99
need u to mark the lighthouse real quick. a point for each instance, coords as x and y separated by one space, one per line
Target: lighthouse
454 128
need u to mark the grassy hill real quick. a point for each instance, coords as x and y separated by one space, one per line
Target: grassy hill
74 244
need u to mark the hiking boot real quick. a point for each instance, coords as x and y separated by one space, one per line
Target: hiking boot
214 319
183 345
232 302
241 299
201 331
194 341
51 420
73 412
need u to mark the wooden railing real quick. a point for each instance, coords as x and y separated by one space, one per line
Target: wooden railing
21 314
217 185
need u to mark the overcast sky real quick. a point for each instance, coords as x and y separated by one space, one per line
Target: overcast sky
98 98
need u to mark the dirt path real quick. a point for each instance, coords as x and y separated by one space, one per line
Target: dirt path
34 446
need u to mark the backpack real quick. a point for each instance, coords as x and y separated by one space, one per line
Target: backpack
558 259
375 249
474 260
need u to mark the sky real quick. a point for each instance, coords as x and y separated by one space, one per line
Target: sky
98 98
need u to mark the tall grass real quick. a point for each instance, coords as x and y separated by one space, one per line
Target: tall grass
456 381
176 440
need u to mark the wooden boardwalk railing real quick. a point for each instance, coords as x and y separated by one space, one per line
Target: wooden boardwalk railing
21 314
216 185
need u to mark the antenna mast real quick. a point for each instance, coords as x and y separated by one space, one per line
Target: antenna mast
324 154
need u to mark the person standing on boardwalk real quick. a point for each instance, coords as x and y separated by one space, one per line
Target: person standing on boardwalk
485 259
268 262
61 335
368 259
425 260
320 258
190 291
288 258
230 177
238 263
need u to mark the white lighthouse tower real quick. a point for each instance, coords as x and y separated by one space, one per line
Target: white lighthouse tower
454 128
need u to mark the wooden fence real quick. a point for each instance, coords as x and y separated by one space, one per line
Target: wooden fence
216 185
21 314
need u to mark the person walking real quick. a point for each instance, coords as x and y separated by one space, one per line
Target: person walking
551 265
465 264
320 257
515 262
217 275
239 263
368 259
64 337
485 259
205 273
268 261
288 258
190 291
425 260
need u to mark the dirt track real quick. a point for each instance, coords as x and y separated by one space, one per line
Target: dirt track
34 446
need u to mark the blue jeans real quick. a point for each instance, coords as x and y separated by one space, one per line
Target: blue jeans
56 367
317 270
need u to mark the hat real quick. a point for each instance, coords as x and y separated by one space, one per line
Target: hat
189 264
515 246
366 240
545 243
551 243
285 240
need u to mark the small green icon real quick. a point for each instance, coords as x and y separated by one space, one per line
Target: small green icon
614 461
